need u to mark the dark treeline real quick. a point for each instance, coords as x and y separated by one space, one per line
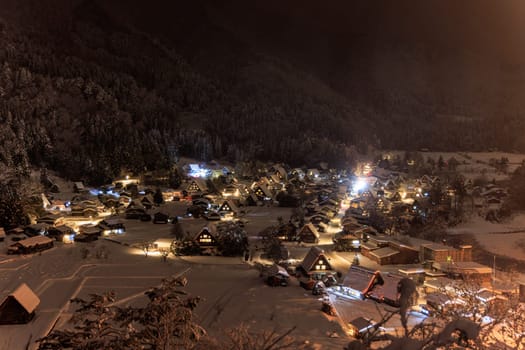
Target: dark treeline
88 95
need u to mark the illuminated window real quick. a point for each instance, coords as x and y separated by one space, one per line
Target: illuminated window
205 238
193 187
320 265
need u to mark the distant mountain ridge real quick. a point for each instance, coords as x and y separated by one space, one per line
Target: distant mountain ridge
289 81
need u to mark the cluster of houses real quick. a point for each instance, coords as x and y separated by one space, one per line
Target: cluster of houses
394 194
319 193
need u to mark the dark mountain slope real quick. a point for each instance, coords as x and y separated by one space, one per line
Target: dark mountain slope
424 62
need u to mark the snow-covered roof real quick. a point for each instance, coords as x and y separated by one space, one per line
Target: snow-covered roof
277 270
33 241
384 252
26 297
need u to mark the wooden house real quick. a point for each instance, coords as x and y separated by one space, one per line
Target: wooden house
88 233
147 201
228 207
387 292
279 171
62 233
385 250
262 192
36 229
110 202
84 210
19 306
206 239
287 232
383 256
197 186
440 253
383 205
133 212
160 218
359 281
16 231
112 226
315 262
50 219
308 234
345 241
30 245
466 270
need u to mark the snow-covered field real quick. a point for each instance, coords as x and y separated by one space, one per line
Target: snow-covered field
506 238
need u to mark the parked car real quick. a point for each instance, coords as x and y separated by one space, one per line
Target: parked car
277 280
307 283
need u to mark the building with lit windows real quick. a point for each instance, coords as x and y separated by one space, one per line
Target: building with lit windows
316 263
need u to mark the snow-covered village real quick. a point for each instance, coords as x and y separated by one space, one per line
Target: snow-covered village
321 251
262 175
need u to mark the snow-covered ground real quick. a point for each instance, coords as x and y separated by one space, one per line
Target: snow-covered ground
232 289
506 238
233 292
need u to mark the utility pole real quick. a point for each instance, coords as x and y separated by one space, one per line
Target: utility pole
494 273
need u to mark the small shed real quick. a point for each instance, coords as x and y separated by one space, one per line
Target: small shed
19 307
163 244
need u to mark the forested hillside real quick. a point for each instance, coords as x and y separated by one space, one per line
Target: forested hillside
91 87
